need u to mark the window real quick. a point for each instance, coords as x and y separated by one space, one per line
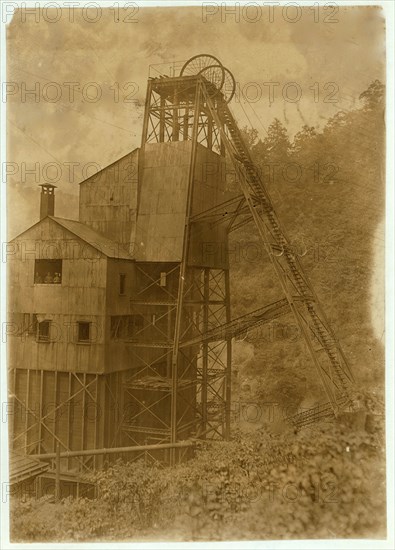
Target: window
43 331
47 272
122 283
84 331
162 281
125 327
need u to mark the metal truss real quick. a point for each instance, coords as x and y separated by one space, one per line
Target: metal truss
170 114
203 367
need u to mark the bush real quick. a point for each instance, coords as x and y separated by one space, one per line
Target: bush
325 481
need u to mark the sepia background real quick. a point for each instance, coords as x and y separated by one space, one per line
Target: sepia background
333 211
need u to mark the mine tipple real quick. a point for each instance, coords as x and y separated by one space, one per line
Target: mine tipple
122 319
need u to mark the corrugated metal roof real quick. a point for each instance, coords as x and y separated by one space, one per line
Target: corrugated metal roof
108 247
24 467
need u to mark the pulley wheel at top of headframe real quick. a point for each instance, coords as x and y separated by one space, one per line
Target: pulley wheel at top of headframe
213 71
215 74
197 63
229 86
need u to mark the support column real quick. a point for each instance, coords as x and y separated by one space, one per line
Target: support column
182 276
209 132
144 134
206 297
186 123
162 120
176 125
228 373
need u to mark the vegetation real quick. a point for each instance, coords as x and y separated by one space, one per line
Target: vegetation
324 482
328 190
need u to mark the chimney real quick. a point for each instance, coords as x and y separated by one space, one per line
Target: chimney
47 200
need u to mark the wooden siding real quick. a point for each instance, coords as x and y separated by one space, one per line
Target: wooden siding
209 241
80 297
163 202
118 354
108 200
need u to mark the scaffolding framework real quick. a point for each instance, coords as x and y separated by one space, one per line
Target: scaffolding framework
201 403
69 409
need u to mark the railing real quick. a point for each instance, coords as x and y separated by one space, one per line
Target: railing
165 69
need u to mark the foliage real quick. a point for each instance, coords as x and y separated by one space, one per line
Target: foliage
32 520
326 481
276 144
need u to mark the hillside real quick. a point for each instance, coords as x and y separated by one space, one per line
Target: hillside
329 192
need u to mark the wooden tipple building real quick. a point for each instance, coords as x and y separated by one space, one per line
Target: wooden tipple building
107 313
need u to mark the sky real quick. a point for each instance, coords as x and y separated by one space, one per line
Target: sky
328 58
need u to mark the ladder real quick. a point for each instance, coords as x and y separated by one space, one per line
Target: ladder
325 350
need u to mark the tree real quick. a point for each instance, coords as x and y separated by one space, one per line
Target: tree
250 136
276 144
304 139
373 96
